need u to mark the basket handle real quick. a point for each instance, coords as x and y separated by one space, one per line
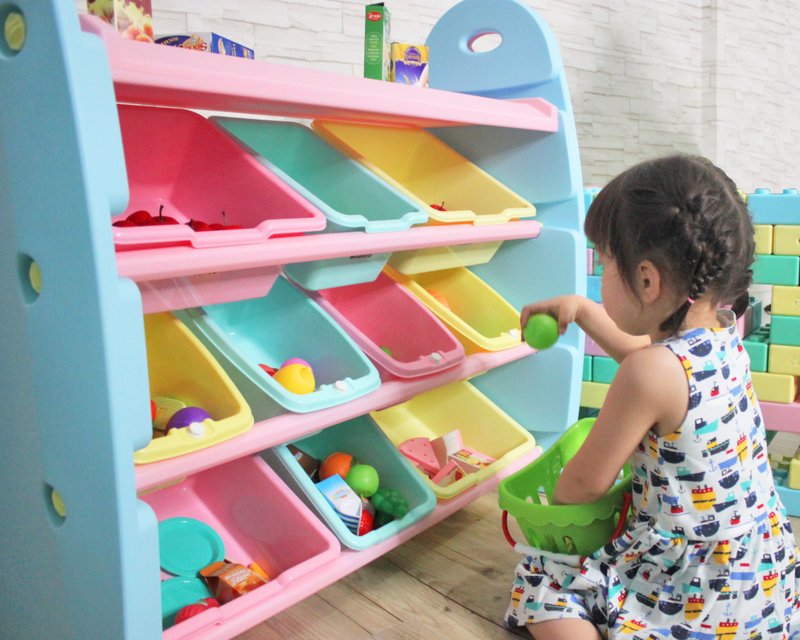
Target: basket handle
506 532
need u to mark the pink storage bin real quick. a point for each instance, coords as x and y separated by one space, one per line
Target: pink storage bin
259 520
383 313
178 159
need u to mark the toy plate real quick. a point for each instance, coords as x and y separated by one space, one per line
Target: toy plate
187 546
178 592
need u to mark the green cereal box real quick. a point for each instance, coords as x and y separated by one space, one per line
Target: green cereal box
377 48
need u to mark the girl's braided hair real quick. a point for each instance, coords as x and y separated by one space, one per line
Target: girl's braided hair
686 216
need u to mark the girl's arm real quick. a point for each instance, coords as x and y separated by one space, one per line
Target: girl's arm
650 391
592 318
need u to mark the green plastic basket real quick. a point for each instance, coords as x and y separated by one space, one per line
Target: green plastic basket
575 528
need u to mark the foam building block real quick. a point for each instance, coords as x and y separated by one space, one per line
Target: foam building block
593 394
786 240
470 461
784 359
587 368
785 330
589 262
593 288
774 269
775 387
593 349
448 474
764 238
420 452
604 369
758 352
774 208
786 301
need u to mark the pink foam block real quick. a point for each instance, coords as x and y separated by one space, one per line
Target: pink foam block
590 262
594 349
420 452
449 473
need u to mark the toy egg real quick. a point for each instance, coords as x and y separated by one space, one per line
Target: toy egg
297 378
335 464
186 416
363 479
541 331
296 361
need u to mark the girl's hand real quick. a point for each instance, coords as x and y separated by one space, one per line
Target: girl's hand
564 309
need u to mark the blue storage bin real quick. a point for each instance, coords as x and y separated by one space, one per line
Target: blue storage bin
270 330
351 197
364 440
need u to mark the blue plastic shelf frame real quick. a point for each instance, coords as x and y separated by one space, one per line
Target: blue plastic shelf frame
74 398
542 393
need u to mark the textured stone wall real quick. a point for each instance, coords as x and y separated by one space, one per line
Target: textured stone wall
647 77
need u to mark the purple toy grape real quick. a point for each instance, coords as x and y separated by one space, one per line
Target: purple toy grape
186 416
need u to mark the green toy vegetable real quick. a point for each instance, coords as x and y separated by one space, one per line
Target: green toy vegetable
389 502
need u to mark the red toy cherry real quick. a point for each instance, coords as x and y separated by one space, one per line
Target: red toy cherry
270 370
125 223
199 225
439 207
217 226
367 522
153 410
140 218
162 219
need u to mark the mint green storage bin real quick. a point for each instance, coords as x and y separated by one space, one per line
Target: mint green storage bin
351 197
283 324
364 440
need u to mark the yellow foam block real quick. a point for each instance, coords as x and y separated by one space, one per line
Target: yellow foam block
763 238
784 359
793 481
786 239
775 387
593 394
785 301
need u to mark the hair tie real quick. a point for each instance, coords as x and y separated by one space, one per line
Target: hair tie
691 301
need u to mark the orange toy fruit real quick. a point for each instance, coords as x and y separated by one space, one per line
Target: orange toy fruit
336 464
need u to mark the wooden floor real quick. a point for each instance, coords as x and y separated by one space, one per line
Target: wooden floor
450 582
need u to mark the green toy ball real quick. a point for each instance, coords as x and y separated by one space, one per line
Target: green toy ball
541 331
363 479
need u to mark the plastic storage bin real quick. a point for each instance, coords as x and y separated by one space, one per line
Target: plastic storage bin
178 159
419 164
576 528
459 405
284 324
180 367
362 439
259 520
392 327
478 316
350 196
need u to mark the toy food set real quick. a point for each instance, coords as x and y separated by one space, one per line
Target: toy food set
180 194
377 47
445 459
454 425
365 490
132 18
410 64
229 580
206 41
193 402
232 531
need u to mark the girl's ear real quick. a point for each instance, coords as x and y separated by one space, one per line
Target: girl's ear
648 278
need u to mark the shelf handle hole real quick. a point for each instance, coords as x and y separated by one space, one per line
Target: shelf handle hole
30 276
55 505
485 42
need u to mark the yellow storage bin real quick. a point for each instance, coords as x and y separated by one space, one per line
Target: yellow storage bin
478 316
425 169
420 165
181 368
484 427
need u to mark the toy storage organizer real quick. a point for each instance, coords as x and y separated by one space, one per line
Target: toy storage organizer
74 344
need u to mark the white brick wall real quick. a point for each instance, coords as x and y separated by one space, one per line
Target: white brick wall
646 76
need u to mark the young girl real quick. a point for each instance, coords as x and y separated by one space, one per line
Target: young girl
708 552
